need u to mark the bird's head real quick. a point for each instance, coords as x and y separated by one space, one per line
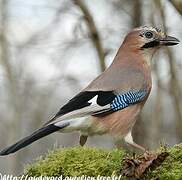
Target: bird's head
148 39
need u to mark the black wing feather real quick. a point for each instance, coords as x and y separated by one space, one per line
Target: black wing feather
105 97
81 101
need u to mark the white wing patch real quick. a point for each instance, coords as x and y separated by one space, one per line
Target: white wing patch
93 100
83 112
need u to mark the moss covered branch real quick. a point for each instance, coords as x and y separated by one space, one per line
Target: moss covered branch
92 162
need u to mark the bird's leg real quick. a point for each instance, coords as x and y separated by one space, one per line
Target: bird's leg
83 140
129 140
135 145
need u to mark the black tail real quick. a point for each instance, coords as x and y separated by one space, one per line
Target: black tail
44 131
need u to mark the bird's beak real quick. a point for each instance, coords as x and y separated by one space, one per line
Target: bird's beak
168 41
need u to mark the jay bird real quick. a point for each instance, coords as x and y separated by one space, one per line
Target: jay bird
111 102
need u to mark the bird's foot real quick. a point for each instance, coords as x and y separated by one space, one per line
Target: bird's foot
83 140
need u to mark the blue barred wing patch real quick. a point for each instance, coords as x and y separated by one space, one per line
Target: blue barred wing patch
122 101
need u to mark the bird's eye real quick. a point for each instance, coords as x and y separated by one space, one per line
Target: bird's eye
149 34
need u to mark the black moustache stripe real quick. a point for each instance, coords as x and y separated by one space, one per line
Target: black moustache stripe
150 44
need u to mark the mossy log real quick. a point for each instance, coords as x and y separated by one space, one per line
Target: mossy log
164 164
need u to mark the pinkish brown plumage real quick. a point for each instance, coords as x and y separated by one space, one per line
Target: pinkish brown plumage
110 103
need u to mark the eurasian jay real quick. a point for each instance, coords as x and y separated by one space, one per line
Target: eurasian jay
111 102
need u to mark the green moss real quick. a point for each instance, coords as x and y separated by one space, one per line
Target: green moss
171 168
86 161
77 161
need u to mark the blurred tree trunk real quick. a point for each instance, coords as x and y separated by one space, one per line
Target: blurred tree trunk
137 13
93 33
177 4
